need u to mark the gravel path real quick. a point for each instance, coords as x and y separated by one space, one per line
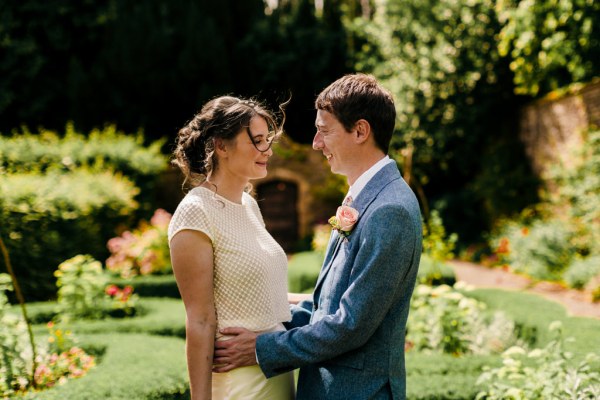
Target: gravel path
576 302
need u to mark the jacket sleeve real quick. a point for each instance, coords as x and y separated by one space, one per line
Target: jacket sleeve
387 245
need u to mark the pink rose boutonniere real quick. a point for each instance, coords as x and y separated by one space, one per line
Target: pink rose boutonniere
344 220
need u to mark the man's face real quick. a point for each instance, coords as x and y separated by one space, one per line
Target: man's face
334 142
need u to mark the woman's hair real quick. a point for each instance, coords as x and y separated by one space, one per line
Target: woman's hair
221 118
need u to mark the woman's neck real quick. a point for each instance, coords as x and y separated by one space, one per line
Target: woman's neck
231 189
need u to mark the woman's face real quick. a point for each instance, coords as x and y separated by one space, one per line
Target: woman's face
243 160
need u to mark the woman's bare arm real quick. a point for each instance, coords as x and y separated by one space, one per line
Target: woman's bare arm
192 259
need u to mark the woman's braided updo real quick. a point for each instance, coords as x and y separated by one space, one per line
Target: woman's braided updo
220 118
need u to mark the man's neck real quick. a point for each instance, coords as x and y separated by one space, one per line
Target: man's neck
364 162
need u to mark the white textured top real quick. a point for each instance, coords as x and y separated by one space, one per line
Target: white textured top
250 267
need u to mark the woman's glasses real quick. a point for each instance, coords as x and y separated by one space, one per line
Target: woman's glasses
263 143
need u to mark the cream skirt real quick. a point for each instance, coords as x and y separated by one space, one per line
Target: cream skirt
249 383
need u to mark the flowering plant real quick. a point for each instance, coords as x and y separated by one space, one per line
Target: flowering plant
344 220
142 251
123 301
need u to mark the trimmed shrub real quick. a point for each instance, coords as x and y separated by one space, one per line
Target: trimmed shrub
303 271
129 367
444 376
151 285
159 316
47 219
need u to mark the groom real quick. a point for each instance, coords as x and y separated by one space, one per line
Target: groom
350 345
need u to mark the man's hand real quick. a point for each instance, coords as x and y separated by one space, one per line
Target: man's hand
239 351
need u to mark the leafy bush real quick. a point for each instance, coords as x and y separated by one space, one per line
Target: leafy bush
98 151
541 374
436 243
144 251
47 219
61 361
542 250
83 291
581 271
433 272
15 349
576 191
444 320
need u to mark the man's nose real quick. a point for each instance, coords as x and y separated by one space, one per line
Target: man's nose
317 142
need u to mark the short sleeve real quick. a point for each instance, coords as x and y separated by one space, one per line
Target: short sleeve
190 215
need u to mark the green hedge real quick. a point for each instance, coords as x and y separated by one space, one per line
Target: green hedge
151 285
533 314
158 316
129 367
47 219
443 376
303 271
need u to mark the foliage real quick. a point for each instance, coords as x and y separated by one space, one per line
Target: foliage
436 244
564 228
433 272
150 285
83 291
442 319
541 374
156 316
541 250
97 152
63 359
144 251
576 190
119 61
581 271
303 271
550 43
454 100
128 367
50 218
439 376
15 350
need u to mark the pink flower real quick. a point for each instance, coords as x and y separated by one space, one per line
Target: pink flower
344 220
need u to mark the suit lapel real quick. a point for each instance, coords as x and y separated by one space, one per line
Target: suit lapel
387 174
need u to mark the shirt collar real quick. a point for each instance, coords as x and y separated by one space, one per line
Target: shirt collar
366 176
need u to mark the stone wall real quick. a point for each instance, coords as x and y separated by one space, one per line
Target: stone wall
552 128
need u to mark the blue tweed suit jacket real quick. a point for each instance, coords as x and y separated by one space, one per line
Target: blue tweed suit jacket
350 345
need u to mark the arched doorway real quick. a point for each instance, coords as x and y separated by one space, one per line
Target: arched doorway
277 200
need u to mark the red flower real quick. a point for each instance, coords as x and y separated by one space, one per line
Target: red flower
112 290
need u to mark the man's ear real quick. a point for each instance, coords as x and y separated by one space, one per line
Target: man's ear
363 130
